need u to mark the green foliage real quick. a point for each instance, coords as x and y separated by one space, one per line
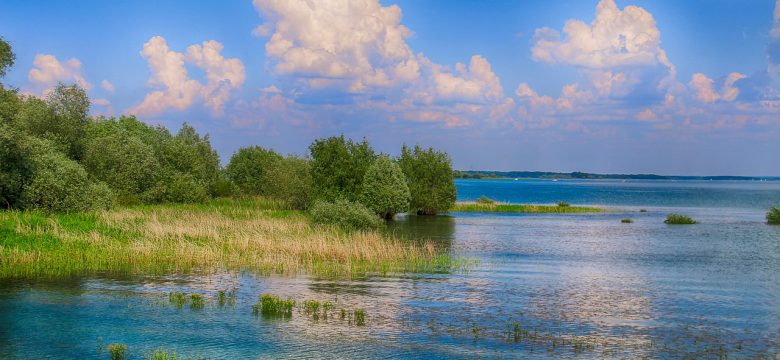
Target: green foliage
291 182
250 168
16 167
678 219
274 306
773 216
7 57
344 214
58 184
101 197
161 354
179 188
117 351
190 154
485 200
360 317
122 161
384 188
338 166
563 204
430 177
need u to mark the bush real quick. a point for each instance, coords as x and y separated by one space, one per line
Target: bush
58 184
290 181
338 167
249 169
16 168
484 200
101 197
678 219
123 162
773 216
345 214
431 179
384 188
183 188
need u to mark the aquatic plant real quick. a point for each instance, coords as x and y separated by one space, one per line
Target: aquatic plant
160 354
642 210
520 208
274 306
197 301
773 216
116 351
563 204
626 221
360 317
226 297
177 298
256 235
485 200
679 219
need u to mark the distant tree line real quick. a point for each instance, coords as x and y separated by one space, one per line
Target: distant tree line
55 157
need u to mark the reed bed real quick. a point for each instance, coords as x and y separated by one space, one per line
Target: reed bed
483 206
254 235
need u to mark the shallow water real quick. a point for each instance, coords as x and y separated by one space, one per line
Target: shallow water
619 290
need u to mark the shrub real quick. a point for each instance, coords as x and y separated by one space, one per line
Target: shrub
485 200
58 184
249 169
773 216
338 166
679 219
290 181
345 214
183 188
384 188
431 179
101 197
122 161
16 168
117 351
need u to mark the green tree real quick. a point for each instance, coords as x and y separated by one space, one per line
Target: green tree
338 167
189 153
16 167
290 181
250 169
7 57
430 178
58 184
385 191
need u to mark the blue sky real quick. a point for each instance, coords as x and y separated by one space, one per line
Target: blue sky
639 86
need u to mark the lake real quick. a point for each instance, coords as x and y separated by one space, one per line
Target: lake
541 286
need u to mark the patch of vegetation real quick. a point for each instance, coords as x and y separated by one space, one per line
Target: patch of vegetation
430 177
384 188
197 302
160 354
360 317
563 204
484 200
177 298
773 216
519 208
274 306
678 219
345 214
117 351
626 221
226 297
642 210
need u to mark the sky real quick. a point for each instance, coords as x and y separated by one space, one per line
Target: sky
666 87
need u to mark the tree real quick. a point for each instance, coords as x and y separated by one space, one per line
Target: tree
189 153
250 169
122 161
290 181
338 167
58 184
7 57
16 168
430 178
385 191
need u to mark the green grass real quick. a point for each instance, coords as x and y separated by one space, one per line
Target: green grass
274 306
256 235
117 351
519 208
360 317
162 355
197 302
773 216
678 219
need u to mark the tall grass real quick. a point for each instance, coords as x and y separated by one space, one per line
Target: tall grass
255 235
519 208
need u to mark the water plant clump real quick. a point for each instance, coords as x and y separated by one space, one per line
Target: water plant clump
773 216
177 298
274 306
626 221
485 200
563 204
197 301
160 354
225 297
117 351
360 317
642 210
679 219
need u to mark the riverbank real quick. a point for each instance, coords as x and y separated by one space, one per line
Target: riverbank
521 208
255 235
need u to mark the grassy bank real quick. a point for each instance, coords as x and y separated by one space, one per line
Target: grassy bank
519 208
248 235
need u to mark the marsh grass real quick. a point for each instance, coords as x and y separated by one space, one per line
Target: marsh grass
162 355
117 351
197 302
485 200
773 216
225 297
177 298
360 317
255 235
520 208
678 219
273 306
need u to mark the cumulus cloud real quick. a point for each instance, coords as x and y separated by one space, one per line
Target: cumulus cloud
107 86
179 91
703 87
47 71
359 49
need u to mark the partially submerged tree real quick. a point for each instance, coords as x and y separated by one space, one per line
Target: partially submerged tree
384 188
430 178
338 166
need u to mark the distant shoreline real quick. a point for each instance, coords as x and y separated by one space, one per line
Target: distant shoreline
482 174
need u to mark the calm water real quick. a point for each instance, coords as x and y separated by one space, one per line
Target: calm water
623 290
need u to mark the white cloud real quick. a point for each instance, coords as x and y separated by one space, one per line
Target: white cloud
107 86
703 87
178 91
47 71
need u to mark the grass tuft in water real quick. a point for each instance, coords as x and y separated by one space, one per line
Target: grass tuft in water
642 210
678 219
563 204
197 301
117 351
177 298
773 216
162 355
226 297
626 221
274 306
360 317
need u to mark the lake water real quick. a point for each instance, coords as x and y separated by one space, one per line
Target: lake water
581 285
